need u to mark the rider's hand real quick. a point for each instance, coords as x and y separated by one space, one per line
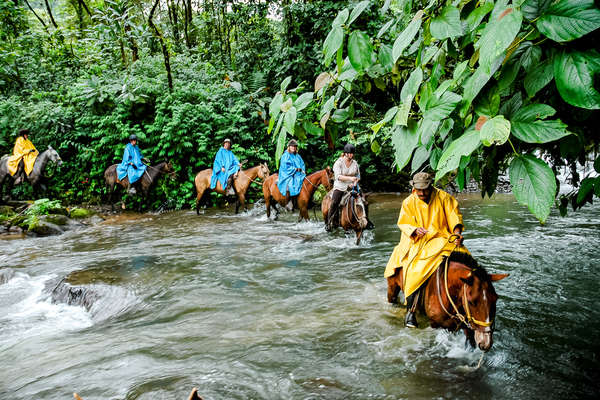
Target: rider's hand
32 150
420 232
459 240
354 180
298 169
223 169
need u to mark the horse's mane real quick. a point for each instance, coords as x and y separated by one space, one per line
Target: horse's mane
470 262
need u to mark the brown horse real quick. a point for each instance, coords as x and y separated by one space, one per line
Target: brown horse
353 215
241 184
309 186
143 185
459 295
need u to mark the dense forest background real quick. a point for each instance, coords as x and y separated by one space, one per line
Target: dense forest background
183 75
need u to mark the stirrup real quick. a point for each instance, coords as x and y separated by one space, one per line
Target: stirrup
411 320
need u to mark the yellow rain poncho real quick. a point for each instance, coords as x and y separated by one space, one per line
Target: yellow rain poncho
420 257
22 151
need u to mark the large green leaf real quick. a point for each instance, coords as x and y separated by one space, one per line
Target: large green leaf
534 8
569 19
404 140
447 24
303 101
358 9
421 155
538 77
274 107
531 55
385 28
341 18
533 184
409 90
439 108
332 43
585 188
385 57
528 126
280 145
289 121
495 131
391 113
498 35
360 51
407 35
463 146
477 15
476 82
574 76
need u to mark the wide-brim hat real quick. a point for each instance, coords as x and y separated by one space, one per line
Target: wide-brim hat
421 180
292 143
24 131
227 140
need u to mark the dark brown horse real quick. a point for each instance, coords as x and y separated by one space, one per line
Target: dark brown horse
353 215
241 184
309 186
143 185
459 295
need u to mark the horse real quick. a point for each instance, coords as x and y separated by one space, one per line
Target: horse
36 177
273 196
458 295
352 215
144 184
240 184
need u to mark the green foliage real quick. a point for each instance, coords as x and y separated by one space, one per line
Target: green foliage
43 207
463 69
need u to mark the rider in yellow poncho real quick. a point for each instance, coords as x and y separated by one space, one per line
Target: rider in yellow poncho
428 218
23 150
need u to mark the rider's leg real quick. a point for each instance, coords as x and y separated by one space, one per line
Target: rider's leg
412 302
333 215
20 174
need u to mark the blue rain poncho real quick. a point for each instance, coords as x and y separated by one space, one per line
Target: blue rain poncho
135 171
224 159
289 178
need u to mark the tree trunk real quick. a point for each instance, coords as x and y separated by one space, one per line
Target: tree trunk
82 3
162 45
50 14
37 16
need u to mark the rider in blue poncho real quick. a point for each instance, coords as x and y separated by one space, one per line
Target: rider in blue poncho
132 165
291 172
225 168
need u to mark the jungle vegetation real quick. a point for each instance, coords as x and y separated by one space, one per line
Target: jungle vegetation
464 89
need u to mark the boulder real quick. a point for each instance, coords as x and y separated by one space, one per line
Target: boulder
56 219
79 213
38 227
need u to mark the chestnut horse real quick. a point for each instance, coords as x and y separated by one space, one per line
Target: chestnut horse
144 184
309 186
241 184
353 215
458 295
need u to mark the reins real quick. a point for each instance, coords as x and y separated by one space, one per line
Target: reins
467 320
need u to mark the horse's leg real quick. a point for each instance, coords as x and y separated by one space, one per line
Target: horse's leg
199 194
358 235
393 287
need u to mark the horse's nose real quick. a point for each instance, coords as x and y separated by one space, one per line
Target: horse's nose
484 340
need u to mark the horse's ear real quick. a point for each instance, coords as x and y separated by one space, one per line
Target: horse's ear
497 277
50 147
468 280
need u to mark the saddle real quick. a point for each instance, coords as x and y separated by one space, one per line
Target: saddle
346 197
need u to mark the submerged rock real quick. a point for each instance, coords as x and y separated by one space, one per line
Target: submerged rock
6 274
56 219
38 226
63 292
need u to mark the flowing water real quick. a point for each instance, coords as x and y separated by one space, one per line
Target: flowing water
148 306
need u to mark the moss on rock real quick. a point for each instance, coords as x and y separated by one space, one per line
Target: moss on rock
79 213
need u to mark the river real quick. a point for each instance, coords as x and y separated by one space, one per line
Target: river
247 308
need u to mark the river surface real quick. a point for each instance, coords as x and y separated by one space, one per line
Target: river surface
247 308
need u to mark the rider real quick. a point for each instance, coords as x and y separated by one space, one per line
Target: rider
428 219
24 151
225 168
291 172
132 166
347 175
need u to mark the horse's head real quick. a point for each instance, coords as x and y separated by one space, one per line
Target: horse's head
53 156
263 171
479 304
360 211
167 169
327 178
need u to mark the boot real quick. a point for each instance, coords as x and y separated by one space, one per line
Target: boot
230 190
410 321
288 202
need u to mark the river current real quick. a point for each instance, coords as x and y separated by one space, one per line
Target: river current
149 306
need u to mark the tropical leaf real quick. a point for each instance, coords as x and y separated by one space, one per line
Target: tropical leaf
447 24
533 184
498 35
534 8
566 20
409 90
463 146
360 51
527 124
439 108
289 120
421 155
407 35
332 43
477 15
358 9
495 131
404 141
303 101
538 77
531 55
341 18
574 76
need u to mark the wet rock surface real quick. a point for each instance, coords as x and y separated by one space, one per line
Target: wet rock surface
6 274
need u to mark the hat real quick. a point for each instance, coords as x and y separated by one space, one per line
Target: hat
421 180
132 137
227 140
23 132
349 148
292 143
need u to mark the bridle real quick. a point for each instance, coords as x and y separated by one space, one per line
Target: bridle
467 319
248 176
172 174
